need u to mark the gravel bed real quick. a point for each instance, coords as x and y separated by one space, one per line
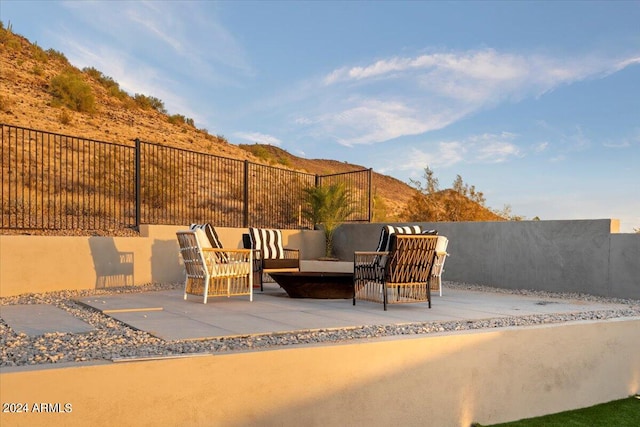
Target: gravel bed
115 341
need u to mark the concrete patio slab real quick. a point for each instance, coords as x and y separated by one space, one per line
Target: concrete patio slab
170 326
167 315
39 319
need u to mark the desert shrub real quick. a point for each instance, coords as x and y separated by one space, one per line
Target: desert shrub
57 55
179 119
38 54
13 44
105 81
113 87
116 92
64 117
176 119
284 161
92 72
128 102
149 102
70 90
37 70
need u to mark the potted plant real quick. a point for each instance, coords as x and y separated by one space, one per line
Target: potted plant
329 206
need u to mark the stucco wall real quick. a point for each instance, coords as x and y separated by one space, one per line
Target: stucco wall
624 265
449 380
563 256
53 263
560 256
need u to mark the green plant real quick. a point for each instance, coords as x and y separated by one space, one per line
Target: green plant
113 88
70 90
330 206
39 54
149 102
179 119
57 55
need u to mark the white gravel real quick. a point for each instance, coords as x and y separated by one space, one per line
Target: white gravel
112 340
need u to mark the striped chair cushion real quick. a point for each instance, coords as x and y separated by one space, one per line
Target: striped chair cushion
268 241
388 230
212 236
208 238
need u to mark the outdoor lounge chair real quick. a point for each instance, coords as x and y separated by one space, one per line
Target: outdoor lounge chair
400 275
214 272
435 280
269 255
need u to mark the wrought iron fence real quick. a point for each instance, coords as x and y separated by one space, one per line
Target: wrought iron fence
359 185
53 181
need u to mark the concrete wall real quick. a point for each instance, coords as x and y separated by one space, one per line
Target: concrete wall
563 256
560 256
624 265
52 263
449 380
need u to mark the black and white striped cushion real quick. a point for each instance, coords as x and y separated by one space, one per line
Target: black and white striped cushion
208 229
212 237
388 230
269 242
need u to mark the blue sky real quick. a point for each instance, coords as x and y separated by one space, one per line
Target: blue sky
537 104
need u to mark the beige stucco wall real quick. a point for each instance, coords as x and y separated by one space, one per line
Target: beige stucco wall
53 263
449 380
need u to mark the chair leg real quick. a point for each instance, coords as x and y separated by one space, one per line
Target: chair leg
384 296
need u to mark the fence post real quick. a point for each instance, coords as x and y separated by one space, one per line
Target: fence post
137 172
370 201
245 219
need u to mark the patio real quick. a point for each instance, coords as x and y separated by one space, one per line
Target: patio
166 315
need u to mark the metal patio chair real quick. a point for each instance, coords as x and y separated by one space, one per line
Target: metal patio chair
214 272
400 275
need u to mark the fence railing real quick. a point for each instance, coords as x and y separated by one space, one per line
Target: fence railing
53 181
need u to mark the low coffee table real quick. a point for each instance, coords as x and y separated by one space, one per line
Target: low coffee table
311 284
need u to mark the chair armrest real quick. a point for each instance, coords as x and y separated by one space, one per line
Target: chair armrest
366 258
228 262
291 253
222 256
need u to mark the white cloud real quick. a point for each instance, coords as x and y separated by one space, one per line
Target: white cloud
484 148
490 148
401 96
621 144
258 138
539 148
374 121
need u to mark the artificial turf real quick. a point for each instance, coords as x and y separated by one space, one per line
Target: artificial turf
619 413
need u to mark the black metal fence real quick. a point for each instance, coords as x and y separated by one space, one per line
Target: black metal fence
53 181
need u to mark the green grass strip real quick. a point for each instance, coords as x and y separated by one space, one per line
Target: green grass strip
619 413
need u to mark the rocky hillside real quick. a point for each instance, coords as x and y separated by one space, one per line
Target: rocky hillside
28 80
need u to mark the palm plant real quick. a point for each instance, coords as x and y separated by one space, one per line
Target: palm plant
330 206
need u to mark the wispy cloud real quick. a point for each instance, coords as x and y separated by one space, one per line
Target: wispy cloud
540 147
258 138
400 96
485 148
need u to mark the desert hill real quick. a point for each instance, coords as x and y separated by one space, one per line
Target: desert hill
27 85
